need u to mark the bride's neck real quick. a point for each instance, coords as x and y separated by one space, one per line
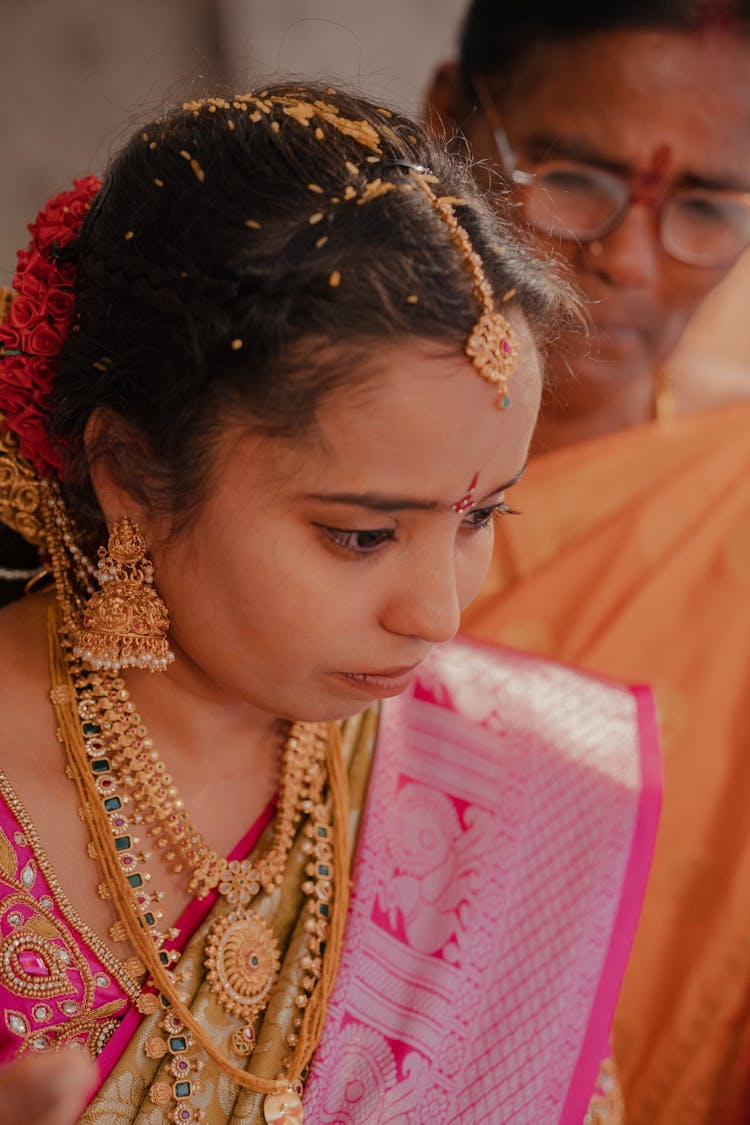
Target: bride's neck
186 712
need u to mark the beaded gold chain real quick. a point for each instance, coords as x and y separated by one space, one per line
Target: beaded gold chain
115 766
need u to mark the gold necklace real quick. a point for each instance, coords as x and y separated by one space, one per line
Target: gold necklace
104 737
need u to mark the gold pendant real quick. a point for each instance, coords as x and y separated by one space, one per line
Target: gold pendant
283 1109
243 1041
242 960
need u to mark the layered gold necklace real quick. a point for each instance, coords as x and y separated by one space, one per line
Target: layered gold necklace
125 789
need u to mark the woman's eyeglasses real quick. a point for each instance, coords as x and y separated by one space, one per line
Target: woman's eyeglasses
574 200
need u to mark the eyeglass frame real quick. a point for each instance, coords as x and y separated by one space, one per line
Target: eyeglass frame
522 178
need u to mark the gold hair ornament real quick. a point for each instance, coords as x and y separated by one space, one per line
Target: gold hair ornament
20 490
493 345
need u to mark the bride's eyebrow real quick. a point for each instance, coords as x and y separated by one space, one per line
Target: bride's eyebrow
508 484
382 502
379 501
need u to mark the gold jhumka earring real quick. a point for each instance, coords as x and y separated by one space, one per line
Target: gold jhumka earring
125 623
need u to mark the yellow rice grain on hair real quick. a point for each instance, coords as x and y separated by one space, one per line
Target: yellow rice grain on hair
335 279
236 344
302 112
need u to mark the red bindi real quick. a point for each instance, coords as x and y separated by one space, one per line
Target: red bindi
467 500
651 182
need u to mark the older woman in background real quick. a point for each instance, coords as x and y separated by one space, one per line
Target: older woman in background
621 131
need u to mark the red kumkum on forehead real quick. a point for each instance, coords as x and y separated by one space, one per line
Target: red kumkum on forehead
651 183
467 500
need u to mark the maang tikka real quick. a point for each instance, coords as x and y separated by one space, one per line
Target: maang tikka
125 623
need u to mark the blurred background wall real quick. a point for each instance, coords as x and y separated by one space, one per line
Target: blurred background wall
78 74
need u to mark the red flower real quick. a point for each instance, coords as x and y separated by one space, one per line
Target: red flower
16 398
34 270
77 209
10 339
26 311
33 442
39 321
58 304
42 339
45 234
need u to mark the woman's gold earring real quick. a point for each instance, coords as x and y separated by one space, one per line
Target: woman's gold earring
125 623
664 394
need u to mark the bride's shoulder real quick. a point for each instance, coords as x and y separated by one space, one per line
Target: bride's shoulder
25 717
23 636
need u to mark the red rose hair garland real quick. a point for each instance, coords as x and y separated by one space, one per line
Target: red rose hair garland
38 322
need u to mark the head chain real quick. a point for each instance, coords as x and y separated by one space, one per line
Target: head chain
492 345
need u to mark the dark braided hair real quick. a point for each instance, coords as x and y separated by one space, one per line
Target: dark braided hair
497 34
248 256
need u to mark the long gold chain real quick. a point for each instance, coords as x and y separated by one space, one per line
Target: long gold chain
100 727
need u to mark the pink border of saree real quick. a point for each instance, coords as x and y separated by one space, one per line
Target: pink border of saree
623 930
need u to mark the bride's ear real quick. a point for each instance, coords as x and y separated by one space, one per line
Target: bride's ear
117 459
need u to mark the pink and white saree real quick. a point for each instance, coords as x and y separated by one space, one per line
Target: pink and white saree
502 853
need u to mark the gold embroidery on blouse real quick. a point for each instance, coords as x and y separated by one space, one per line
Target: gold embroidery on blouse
39 951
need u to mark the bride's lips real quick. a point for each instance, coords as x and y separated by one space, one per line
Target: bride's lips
380 685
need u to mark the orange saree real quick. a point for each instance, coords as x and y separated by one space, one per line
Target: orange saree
632 560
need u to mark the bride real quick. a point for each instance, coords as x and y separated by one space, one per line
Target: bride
263 393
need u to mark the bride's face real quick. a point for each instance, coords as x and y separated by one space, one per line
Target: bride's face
321 570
